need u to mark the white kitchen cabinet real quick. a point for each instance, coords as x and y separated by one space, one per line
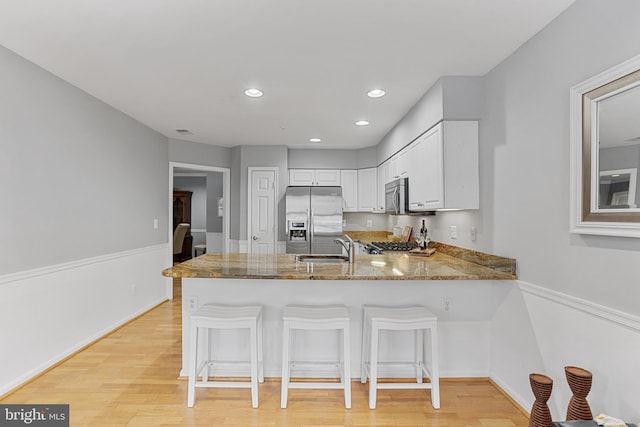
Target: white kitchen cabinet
314 177
399 165
367 189
349 180
444 167
384 176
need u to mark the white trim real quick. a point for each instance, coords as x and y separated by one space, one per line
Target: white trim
577 225
597 310
275 171
42 271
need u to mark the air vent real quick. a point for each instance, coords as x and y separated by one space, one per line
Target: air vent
184 131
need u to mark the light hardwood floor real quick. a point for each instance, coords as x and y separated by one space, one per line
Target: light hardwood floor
130 378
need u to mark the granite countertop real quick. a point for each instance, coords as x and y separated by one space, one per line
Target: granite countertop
447 263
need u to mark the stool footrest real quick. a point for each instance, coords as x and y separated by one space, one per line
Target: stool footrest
223 384
404 385
314 364
315 385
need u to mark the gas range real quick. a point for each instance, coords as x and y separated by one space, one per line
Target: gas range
380 247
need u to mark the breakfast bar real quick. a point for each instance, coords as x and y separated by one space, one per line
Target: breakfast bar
454 283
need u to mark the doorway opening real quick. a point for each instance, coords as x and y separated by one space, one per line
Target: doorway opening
209 189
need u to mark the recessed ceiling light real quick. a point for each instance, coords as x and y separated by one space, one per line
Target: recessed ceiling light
314 140
375 93
184 131
362 123
253 93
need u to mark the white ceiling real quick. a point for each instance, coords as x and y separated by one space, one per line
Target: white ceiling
184 64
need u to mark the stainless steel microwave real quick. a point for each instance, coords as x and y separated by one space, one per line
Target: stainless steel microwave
396 199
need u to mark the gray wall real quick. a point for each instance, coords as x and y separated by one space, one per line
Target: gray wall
199 154
524 146
450 98
214 191
333 158
79 178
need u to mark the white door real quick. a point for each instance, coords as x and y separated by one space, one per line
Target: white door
262 210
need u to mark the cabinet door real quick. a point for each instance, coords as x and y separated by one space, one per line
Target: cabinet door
403 163
301 176
349 179
380 182
430 193
367 189
327 177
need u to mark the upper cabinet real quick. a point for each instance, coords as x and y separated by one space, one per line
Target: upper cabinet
314 177
349 180
443 167
399 165
367 189
383 176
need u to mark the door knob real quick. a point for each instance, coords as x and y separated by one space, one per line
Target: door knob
255 237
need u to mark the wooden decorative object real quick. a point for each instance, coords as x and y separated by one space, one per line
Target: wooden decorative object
580 384
540 414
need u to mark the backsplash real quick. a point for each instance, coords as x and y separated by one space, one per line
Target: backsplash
358 221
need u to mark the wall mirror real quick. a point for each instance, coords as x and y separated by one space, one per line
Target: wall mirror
605 152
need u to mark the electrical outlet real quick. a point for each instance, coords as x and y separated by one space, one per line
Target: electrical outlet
369 223
192 303
474 234
454 232
448 304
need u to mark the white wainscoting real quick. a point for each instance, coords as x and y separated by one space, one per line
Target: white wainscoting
49 313
535 329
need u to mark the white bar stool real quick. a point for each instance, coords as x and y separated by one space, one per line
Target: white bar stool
413 318
212 316
316 318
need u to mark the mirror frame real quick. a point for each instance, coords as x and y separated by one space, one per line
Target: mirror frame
585 217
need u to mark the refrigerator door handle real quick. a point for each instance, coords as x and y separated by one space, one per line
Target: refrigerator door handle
310 231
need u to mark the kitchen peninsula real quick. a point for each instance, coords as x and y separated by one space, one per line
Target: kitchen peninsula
456 284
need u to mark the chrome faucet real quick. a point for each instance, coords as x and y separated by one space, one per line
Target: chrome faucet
348 246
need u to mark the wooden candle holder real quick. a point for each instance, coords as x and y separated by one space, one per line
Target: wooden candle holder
540 414
580 384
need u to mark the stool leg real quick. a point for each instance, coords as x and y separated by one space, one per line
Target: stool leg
365 347
193 361
254 366
419 348
373 366
285 365
346 363
435 374
260 351
205 346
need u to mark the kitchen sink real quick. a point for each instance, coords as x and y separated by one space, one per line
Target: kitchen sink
321 258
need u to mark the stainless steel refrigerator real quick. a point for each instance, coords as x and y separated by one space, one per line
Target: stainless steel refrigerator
313 220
